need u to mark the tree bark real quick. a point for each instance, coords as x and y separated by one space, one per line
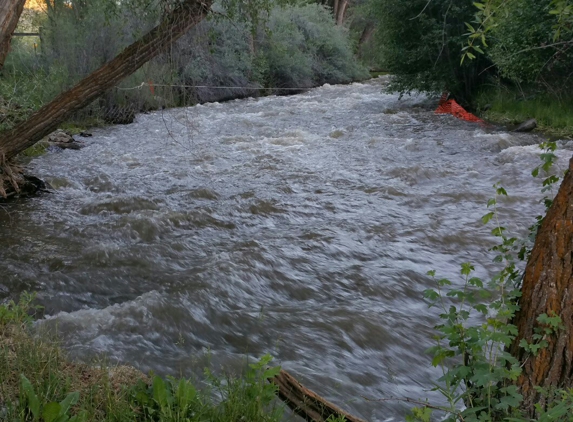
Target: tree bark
365 36
335 9
305 402
548 289
341 12
10 11
45 120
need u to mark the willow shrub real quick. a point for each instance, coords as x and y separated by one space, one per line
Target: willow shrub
294 46
305 48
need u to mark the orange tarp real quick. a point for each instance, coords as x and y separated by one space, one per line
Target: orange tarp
452 107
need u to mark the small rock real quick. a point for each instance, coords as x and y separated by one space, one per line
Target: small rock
60 137
68 145
63 140
85 135
526 126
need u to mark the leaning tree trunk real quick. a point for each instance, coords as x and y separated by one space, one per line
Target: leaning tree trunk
45 120
10 11
548 289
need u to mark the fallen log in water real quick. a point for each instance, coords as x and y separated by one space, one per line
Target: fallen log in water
305 402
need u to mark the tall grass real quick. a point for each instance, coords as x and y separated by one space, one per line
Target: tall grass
36 377
511 106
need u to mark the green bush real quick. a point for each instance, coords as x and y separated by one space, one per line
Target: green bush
305 48
420 43
295 47
524 47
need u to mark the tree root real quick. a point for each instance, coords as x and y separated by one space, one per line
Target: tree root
11 178
14 183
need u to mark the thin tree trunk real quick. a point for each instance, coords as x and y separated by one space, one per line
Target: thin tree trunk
45 120
335 9
365 36
548 289
341 12
10 11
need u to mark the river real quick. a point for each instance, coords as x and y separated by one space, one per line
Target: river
299 226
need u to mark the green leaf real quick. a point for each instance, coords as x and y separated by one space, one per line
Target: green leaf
431 294
160 392
486 218
471 28
467 268
33 401
69 401
51 412
444 282
501 191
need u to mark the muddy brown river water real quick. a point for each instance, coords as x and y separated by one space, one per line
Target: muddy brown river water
298 226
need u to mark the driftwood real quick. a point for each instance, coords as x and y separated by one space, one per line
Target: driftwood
305 402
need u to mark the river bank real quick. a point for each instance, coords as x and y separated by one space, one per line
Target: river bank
39 381
510 108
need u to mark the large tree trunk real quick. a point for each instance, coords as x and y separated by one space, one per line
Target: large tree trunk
45 120
335 9
10 11
548 289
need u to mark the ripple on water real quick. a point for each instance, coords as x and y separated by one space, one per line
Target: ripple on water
302 226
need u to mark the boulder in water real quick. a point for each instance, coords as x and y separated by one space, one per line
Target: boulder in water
63 140
526 126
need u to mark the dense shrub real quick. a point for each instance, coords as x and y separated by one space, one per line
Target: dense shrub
420 43
305 48
294 47
524 48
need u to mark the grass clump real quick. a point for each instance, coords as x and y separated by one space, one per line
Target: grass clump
39 383
508 106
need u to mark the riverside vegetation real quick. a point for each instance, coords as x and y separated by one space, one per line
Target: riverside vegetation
296 46
38 383
508 59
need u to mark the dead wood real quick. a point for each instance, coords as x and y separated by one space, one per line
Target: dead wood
305 402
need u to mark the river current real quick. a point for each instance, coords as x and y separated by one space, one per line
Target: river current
298 226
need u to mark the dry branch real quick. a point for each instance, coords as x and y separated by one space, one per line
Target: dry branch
305 402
